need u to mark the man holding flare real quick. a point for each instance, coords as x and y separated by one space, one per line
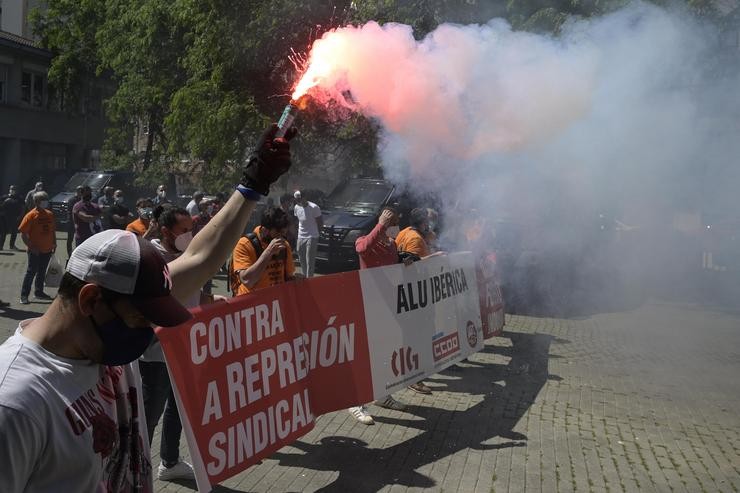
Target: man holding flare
70 397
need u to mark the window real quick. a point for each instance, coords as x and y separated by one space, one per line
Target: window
4 83
38 90
32 89
26 88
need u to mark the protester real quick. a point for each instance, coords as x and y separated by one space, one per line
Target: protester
139 226
412 239
287 204
376 249
411 242
70 220
11 213
39 187
206 210
105 202
161 197
218 202
176 232
38 232
431 236
309 224
192 206
263 258
86 217
118 215
70 399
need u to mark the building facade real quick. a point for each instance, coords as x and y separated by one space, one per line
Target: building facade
39 138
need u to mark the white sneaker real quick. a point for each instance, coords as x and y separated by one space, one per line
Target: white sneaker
391 403
361 415
181 470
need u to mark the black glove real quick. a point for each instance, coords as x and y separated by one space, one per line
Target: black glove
269 161
402 256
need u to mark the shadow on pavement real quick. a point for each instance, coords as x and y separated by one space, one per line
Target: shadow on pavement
508 392
15 314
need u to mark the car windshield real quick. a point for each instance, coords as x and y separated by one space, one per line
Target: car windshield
75 181
96 181
359 195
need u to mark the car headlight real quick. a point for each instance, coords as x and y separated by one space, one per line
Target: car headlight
352 236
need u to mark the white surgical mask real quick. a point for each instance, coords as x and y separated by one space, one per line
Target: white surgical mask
119 200
182 241
209 210
162 193
44 204
392 231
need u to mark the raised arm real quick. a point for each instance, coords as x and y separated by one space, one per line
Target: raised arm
212 245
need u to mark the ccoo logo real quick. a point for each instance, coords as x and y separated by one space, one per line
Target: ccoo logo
404 360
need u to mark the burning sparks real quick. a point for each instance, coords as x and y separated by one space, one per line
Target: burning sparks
316 70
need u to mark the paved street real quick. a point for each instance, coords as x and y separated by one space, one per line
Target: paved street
643 400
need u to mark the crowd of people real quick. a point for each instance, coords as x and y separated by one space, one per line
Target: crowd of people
92 359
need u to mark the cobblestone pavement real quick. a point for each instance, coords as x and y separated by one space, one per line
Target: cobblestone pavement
644 400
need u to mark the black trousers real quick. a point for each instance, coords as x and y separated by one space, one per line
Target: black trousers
8 226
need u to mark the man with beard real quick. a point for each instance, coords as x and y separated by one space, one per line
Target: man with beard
263 258
70 397
86 217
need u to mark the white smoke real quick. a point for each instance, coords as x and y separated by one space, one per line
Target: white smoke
625 112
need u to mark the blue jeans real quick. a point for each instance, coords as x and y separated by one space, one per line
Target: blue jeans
158 397
37 264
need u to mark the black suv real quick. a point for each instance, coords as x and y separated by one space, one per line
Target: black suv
350 211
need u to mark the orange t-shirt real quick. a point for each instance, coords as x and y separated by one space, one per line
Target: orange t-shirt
137 227
40 226
409 240
244 257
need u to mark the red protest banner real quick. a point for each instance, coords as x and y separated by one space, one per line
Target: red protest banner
491 298
251 374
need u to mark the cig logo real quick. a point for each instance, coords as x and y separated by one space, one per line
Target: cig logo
404 360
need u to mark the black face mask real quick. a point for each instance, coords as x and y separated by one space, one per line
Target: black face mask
87 197
121 343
